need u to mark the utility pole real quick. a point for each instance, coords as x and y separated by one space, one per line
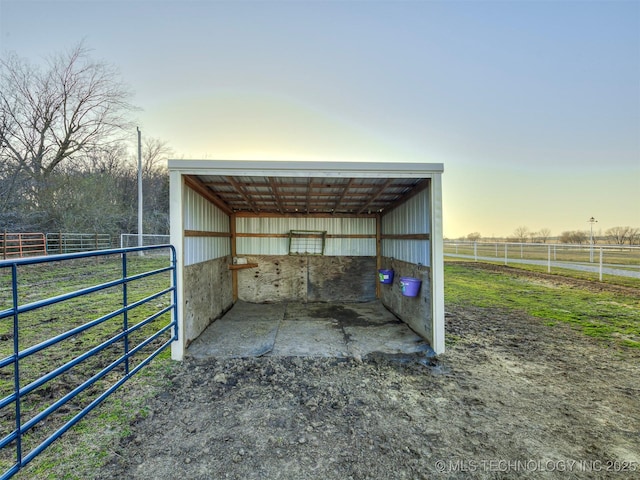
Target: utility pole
140 241
591 221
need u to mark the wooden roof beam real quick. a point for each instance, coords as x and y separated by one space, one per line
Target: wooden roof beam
276 194
413 191
308 193
344 192
282 185
378 193
242 192
195 184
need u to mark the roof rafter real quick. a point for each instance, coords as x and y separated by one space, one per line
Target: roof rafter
344 192
276 195
242 191
376 195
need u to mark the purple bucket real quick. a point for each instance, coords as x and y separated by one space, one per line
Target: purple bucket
410 286
386 276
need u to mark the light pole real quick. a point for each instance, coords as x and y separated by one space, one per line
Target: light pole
591 221
140 205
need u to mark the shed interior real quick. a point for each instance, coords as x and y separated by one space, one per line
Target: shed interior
282 235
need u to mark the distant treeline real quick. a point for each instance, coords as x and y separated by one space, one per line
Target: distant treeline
612 236
65 139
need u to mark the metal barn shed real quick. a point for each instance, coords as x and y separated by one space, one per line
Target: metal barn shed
270 232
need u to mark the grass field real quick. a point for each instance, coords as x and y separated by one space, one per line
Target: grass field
562 272
41 281
606 314
612 317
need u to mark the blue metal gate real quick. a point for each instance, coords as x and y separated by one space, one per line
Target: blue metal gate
122 316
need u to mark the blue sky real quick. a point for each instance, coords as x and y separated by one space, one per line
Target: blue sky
533 107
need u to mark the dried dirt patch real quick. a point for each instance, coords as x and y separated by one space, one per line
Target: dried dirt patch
511 397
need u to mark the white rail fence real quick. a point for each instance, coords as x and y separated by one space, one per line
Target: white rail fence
620 260
133 240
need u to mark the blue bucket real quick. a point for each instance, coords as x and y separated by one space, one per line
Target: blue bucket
386 276
410 286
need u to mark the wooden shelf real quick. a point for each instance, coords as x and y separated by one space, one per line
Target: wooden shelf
243 266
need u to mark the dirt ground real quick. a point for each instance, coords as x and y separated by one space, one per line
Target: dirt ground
510 398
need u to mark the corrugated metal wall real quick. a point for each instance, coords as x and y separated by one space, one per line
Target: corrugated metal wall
410 217
200 214
333 226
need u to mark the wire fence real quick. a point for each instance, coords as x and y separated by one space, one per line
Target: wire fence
18 245
620 260
134 240
62 242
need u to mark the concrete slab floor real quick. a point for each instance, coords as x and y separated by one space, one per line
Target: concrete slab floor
306 330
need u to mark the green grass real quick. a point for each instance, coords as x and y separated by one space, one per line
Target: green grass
600 314
38 282
562 272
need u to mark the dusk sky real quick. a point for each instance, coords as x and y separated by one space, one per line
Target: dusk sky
532 107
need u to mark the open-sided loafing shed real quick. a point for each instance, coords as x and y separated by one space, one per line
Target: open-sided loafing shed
278 231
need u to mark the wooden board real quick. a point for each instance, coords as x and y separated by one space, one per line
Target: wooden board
308 279
207 294
341 279
276 279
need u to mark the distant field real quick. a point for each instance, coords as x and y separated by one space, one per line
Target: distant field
621 255
617 261
607 310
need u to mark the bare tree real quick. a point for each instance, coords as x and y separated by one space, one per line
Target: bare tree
112 160
155 179
155 153
622 235
48 116
543 235
474 236
574 236
521 234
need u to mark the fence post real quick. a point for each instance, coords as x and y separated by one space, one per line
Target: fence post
505 253
4 246
125 314
475 251
600 263
548 258
16 361
60 242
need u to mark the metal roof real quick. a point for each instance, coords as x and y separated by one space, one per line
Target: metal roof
287 188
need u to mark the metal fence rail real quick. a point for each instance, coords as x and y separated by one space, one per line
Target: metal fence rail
139 323
621 260
62 242
21 244
133 239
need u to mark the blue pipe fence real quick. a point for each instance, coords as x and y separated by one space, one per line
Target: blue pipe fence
106 315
